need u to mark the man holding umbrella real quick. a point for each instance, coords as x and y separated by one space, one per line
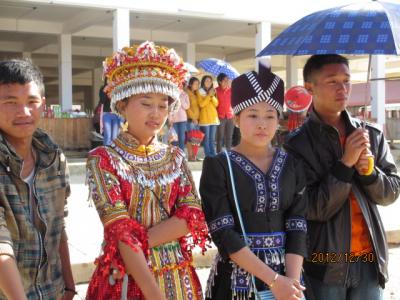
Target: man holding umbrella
348 253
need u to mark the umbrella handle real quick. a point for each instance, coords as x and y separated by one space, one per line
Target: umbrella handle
366 91
371 164
371 161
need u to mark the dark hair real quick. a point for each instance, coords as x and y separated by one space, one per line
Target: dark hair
21 71
203 80
317 62
191 81
220 77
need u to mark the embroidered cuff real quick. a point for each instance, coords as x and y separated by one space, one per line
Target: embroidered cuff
127 231
221 222
197 226
342 172
296 224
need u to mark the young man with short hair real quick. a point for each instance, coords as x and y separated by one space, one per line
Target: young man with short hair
34 256
348 252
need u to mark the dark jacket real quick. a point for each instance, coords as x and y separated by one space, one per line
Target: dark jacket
34 247
329 183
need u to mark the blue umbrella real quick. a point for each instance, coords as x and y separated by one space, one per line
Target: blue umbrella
371 27
216 66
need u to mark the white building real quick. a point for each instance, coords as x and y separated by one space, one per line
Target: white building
69 39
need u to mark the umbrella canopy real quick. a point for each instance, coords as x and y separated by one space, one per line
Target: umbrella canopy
372 27
216 66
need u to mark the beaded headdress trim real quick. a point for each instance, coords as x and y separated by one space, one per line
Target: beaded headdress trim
142 69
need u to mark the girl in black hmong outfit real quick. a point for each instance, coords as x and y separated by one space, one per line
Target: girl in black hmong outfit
268 183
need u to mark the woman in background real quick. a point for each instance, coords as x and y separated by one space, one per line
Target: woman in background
178 119
110 122
208 119
194 135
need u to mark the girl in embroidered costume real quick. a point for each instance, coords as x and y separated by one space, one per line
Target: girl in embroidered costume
268 184
142 189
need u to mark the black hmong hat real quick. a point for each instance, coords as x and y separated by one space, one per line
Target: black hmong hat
251 88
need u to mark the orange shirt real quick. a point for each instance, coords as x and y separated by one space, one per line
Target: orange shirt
360 240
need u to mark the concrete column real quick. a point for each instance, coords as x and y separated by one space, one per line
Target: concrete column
291 72
97 75
263 38
190 53
121 29
26 54
65 71
378 97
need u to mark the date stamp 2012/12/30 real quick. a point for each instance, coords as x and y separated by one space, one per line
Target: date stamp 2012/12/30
347 257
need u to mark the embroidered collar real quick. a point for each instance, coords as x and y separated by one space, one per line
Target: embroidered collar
266 185
157 164
130 144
